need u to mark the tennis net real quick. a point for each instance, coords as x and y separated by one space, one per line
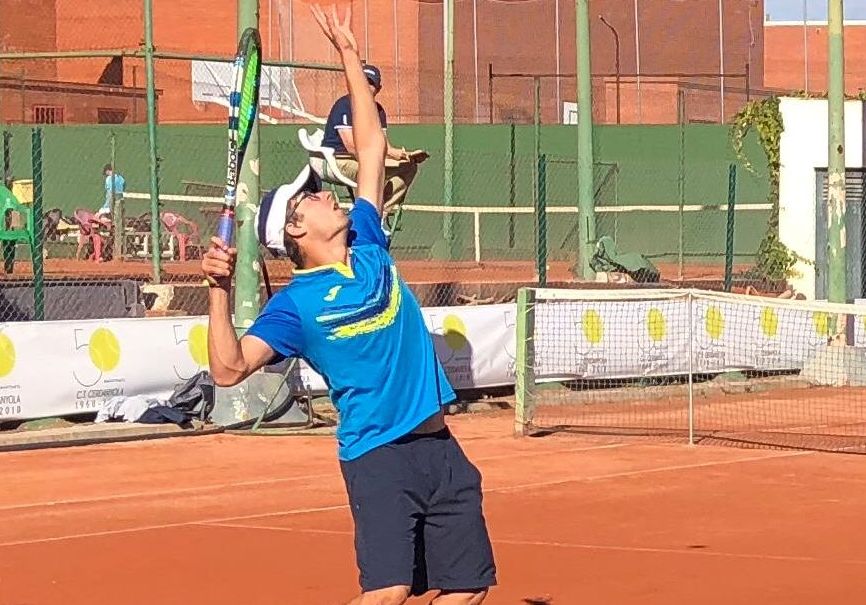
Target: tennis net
692 365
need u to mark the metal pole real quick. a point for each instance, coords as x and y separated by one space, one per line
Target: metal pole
805 47
38 234
397 61
558 68
448 110
681 182
116 204
541 222
247 291
512 190
721 62
475 62
490 91
617 66
291 25
366 32
151 140
637 60
729 230
836 154
7 155
586 213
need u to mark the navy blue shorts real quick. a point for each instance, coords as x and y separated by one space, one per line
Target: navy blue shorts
416 503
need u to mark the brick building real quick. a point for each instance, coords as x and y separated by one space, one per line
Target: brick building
796 56
405 39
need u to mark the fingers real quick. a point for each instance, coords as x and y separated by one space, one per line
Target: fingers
219 260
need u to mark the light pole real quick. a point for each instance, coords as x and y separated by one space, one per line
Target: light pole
616 43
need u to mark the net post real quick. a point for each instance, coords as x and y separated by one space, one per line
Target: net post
524 386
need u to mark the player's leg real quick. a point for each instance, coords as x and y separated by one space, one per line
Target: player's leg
386 509
458 552
398 179
395 595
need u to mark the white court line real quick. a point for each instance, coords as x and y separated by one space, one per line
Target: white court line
158 493
648 471
130 530
601 547
299 511
219 486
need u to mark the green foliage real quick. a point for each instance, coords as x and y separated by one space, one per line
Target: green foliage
775 260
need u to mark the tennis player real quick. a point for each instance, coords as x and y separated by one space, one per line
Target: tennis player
415 497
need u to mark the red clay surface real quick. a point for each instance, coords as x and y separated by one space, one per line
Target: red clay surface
262 520
415 271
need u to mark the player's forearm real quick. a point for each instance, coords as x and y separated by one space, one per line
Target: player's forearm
366 130
226 359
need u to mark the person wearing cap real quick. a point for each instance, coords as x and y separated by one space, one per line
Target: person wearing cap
401 166
415 497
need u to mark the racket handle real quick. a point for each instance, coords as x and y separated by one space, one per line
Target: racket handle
225 226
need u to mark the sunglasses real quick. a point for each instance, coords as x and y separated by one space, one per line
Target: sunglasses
294 209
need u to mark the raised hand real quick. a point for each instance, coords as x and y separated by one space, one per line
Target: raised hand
339 33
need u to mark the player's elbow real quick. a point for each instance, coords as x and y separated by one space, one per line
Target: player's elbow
226 377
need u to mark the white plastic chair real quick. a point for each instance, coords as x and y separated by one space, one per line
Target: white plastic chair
322 159
324 164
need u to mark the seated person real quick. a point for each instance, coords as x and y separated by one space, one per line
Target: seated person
400 165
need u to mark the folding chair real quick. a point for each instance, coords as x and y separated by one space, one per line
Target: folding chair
324 164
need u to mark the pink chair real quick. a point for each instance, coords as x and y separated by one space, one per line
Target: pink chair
89 225
182 229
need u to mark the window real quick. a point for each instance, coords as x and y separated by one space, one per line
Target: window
47 114
110 116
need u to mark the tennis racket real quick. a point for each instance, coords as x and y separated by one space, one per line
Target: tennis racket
243 107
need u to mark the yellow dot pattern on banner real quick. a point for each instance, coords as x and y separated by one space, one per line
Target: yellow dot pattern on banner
104 349
822 323
593 326
715 324
7 355
769 323
197 344
656 326
454 331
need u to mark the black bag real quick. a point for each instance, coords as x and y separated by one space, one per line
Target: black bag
195 397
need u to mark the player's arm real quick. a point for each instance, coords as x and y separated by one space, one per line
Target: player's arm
231 360
369 140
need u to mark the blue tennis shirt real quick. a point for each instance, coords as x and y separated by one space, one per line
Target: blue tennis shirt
361 328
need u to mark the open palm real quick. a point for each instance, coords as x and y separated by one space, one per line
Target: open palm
338 32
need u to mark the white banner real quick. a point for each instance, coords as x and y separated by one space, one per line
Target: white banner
633 338
67 367
61 368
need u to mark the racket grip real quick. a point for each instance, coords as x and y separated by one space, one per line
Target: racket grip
225 227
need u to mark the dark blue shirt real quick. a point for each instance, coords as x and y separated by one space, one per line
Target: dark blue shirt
340 118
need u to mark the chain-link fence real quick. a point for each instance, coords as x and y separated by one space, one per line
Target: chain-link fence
509 217
660 192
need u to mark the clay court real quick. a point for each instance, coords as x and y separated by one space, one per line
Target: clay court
228 519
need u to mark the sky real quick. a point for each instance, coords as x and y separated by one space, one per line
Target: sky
792 10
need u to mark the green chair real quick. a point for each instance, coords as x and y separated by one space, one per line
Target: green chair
10 236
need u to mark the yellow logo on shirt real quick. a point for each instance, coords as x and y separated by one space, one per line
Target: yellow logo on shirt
332 293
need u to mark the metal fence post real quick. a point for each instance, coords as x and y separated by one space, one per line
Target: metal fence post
37 235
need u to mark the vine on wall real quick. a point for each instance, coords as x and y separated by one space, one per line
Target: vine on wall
775 260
